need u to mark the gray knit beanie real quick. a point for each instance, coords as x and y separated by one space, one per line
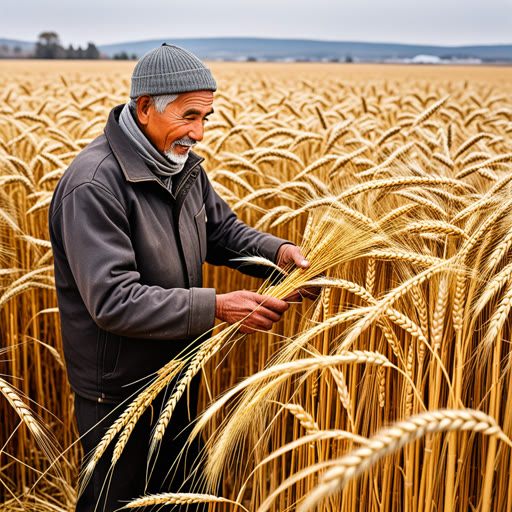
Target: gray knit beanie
170 69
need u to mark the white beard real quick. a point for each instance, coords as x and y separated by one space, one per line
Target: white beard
176 158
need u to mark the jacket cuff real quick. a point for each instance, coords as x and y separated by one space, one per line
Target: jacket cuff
270 247
202 311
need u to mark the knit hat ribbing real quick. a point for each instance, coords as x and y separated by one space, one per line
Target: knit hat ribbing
170 69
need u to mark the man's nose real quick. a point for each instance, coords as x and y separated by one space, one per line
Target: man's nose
196 131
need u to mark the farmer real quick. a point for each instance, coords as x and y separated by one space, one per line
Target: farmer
132 221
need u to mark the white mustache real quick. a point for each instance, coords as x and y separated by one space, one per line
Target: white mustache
185 141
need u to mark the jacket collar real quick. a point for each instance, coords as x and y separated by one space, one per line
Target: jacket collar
131 163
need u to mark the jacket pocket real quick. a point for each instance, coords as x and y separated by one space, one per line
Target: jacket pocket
200 219
111 353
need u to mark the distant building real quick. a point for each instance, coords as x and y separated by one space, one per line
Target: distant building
426 59
434 60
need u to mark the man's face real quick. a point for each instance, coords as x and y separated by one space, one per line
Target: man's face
181 124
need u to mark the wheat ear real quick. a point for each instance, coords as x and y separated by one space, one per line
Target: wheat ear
285 370
397 182
470 142
493 287
316 165
394 214
304 418
391 158
26 415
429 111
182 498
206 352
390 439
343 392
320 435
498 318
485 201
144 399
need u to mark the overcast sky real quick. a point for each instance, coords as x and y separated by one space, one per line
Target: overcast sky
439 22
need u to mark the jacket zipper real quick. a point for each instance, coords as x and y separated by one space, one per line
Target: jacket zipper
189 172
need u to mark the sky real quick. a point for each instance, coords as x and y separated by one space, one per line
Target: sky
437 22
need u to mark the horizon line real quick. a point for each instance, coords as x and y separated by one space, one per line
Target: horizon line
437 45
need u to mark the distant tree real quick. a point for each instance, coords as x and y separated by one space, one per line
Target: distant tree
17 51
121 56
70 52
91 52
251 59
134 56
48 46
349 59
48 38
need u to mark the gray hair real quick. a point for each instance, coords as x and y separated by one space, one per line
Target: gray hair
160 101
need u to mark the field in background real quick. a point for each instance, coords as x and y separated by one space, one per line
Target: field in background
403 175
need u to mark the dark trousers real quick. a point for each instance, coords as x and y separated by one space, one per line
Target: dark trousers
111 488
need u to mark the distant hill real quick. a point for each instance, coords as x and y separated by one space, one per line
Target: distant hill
299 49
8 45
24 45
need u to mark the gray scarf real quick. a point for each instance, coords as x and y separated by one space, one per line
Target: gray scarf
156 161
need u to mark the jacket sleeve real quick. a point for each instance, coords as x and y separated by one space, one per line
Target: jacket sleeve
229 238
95 235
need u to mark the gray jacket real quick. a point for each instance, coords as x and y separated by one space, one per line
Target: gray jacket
128 259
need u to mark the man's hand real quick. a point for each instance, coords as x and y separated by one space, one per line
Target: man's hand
257 312
308 292
289 253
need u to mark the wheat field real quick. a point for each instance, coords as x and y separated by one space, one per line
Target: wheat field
390 392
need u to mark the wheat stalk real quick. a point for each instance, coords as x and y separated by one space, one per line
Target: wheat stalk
393 438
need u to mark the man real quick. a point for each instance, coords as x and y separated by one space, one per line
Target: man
131 223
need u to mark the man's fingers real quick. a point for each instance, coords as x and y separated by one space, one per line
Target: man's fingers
270 314
259 321
289 253
246 330
299 259
295 296
280 306
310 292
255 311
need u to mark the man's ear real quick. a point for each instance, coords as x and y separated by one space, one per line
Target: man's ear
144 104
